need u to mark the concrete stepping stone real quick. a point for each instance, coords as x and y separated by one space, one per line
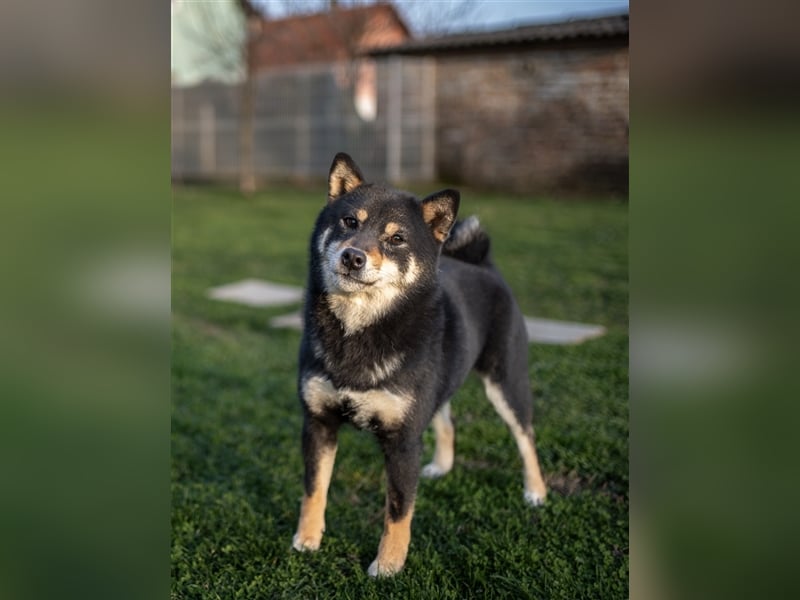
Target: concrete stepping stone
546 331
257 292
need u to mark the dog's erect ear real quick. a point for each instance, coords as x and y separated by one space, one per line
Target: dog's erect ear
344 177
439 211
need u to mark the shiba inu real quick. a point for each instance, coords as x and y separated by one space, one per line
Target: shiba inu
402 302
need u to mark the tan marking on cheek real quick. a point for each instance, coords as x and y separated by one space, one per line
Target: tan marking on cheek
361 215
391 228
393 548
375 257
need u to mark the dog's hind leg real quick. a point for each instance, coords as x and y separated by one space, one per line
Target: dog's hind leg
445 438
519 423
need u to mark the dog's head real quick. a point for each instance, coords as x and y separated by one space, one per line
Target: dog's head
372 237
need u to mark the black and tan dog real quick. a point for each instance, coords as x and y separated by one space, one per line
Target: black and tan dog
402 302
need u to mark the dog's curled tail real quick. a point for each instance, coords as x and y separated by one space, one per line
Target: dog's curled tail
468 242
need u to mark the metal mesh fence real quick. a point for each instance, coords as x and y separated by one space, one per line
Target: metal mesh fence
382 113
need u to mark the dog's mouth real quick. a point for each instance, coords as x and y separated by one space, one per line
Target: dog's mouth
353 277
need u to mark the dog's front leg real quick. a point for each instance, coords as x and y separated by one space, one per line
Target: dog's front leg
319 452
402 475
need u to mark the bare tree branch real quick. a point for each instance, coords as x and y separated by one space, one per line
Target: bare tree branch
216 40
435 18
424 17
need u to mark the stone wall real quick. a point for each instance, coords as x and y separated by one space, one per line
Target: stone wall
540 120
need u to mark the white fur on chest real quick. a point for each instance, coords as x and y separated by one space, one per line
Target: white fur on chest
387 407
361 309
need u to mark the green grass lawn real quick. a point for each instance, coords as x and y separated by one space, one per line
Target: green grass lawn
236 464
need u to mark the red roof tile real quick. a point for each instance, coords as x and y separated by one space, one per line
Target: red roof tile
326 37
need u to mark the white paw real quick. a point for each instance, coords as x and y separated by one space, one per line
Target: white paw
432 471
533 499
375 571
306 545
372 571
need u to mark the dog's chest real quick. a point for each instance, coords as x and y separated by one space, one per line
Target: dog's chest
362 361
366 409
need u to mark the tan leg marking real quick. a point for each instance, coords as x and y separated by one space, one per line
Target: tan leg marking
535 489
393 548
312 510
445 437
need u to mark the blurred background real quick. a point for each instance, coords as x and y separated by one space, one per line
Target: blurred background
517 96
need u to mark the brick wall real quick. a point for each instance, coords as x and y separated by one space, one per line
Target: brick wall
542 120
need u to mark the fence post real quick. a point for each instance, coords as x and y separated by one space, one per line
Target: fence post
394 120
428 120
208 134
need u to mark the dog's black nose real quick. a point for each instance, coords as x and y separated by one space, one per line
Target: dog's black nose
353 259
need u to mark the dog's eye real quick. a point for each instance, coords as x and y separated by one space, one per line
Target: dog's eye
350 222
397 239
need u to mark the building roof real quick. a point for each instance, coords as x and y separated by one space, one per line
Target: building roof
595 28
338 34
